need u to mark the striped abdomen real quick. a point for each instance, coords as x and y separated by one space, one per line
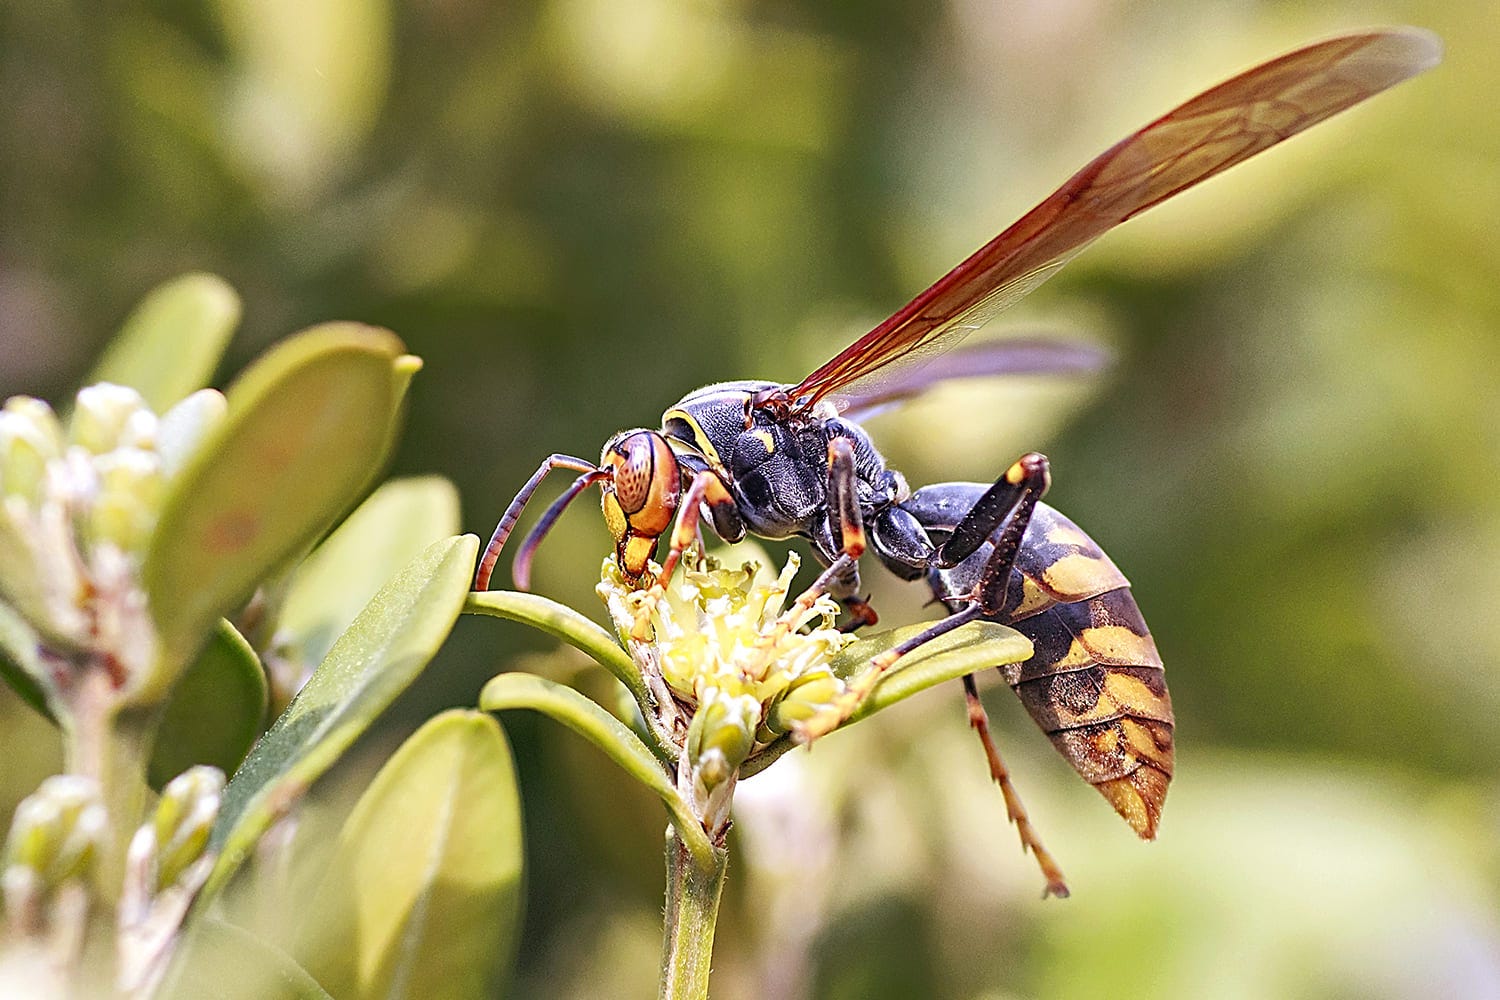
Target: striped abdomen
1094 682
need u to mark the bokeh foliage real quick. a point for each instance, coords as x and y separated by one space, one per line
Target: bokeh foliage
576 210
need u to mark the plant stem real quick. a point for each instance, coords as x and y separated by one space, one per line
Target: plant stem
693 894
109 745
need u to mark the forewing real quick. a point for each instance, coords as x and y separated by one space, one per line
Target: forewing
1011 356
1208 134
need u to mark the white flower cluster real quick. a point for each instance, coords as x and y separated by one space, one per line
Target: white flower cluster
78 505
732 667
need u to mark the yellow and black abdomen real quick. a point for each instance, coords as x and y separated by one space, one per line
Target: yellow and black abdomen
1094 682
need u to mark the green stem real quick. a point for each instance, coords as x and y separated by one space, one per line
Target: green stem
111 746
693 894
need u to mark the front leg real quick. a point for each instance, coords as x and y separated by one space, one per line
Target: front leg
729 524
846 532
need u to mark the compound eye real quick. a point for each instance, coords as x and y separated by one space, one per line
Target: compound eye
647 480
635 466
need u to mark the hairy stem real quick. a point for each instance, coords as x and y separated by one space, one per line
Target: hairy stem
693 894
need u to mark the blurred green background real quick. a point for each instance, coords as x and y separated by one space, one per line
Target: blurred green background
577 210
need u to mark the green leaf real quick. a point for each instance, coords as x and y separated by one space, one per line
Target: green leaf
384 533
214 712
566 624
385 648
423 897
306 430
589 720
172 342
226 962
967 649
18 659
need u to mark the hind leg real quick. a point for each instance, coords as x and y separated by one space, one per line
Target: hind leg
1006 507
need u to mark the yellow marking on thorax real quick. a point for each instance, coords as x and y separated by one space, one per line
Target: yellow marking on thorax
700 439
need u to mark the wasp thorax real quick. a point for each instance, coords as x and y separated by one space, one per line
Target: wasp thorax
640 495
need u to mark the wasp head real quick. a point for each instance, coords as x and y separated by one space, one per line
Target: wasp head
641 494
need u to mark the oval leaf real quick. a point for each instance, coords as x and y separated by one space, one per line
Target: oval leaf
966 650
384 533
226 962
171 344
385 648
423 896
599 727
307 428
215 710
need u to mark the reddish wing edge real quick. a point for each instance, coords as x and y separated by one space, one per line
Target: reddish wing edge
1208 134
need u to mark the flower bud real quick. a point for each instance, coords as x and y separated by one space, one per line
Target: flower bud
54 837
811 705
713 769
78 511
722 728
165 866
130 491
102 414
184 818
30 437
185 425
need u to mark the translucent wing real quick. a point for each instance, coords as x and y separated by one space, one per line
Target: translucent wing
1011 356
1191 143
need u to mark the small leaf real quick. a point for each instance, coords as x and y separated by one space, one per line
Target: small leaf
423 898
566 624
214 712
307 428
384 533
587 719
172 342
39 588
384 649
222 961
969 648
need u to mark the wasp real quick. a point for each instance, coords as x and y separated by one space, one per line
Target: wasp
791 460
